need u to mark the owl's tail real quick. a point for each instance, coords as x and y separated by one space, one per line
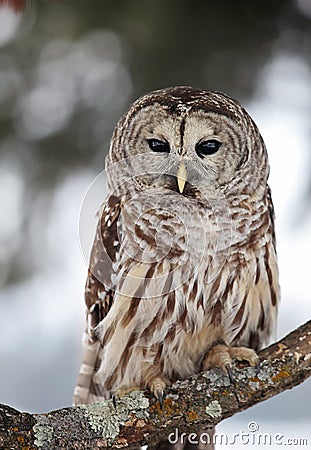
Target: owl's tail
84 391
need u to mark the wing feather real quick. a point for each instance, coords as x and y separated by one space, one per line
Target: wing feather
99 295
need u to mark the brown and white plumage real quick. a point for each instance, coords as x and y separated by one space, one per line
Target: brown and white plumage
183 268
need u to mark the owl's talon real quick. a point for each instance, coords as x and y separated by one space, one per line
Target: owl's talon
114 401
157 387
221 356
244 354
229 373
159 395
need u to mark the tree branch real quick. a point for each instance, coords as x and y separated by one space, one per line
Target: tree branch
204 399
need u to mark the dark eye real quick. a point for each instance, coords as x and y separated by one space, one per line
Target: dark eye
207 147
158 146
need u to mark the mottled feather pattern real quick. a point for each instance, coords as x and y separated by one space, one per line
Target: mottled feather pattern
98 298
174 273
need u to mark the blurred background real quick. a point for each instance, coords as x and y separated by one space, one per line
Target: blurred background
68 70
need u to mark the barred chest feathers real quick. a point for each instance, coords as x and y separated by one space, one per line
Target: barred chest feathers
184 271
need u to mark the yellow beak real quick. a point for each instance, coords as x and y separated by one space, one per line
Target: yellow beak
181 177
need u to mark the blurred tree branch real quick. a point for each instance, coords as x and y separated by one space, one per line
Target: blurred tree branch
203 400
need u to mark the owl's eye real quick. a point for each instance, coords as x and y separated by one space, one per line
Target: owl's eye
158 146
206 148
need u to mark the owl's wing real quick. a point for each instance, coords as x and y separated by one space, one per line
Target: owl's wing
98 298
272 215
262 304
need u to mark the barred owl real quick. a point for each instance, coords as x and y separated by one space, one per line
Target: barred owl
183 273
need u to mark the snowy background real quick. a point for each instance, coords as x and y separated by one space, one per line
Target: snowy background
42 269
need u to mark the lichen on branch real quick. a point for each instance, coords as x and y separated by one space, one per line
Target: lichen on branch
202 400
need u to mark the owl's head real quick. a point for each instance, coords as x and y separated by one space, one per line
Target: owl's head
195 142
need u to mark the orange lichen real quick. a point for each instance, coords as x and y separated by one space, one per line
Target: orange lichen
279 376
20 439
191 416
254 379
225 393
169 407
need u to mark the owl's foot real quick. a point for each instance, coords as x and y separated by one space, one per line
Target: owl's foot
221 356
154 380
157 387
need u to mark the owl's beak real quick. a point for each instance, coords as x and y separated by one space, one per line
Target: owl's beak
181 177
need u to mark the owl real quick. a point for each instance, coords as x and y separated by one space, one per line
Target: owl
183 272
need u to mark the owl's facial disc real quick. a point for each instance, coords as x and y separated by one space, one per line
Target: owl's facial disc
197 153
199 144
189 151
